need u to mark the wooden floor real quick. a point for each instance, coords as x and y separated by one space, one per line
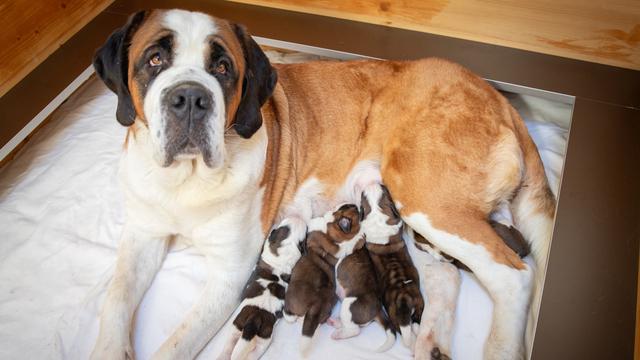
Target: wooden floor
33 30
602 31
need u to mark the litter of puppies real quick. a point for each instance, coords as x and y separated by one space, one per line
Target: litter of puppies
358 255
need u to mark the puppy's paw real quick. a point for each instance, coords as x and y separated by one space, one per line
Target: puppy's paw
253 335
334 322
345 332
290 318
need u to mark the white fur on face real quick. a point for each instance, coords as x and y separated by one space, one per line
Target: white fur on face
375 224
288 251
190 30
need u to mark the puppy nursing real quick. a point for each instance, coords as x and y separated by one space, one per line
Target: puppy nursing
397 276
357 284
360 257
336 264
312 289
264 294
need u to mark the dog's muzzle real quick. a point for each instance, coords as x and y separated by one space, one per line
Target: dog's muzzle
189 102
188 109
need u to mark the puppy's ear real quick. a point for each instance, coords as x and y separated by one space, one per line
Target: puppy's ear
257 86
111 62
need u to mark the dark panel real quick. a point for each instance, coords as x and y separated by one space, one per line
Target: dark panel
589 301
573 77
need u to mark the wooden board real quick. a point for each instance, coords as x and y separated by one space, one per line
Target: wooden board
33 30
602 31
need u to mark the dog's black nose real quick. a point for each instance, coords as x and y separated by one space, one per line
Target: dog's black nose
189 101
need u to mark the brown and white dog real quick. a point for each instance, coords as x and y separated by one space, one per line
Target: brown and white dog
221 145
356 281
398 278
312 291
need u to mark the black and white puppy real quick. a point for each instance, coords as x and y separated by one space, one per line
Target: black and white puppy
356 283
264 294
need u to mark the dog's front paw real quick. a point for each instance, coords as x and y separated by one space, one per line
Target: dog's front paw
112 349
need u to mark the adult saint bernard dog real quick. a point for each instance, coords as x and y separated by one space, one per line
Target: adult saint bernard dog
222 145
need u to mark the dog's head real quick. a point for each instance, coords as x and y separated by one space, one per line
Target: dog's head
337 232
187 77
345 224
378 198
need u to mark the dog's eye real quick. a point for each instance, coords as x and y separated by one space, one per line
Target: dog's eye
345 224
222 67
155 60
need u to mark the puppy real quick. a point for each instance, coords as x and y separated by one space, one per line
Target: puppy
397 276
312 290
356 283
264 294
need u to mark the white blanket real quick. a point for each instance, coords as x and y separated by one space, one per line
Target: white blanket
61 213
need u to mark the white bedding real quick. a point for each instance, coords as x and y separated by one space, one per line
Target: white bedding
61 214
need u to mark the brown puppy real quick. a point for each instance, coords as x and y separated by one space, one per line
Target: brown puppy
355 280
397 276
312 288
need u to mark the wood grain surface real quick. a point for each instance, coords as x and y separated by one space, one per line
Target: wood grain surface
601 31
33 30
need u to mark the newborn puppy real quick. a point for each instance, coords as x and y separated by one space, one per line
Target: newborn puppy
264 294
355 279
312 289
397 276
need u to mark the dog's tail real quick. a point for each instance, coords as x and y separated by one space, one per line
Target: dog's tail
404 316
389 330
310 324
533 209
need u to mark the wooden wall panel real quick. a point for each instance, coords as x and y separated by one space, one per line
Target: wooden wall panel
32 30
602 31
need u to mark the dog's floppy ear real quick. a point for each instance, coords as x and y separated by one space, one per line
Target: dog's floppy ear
111 62
258 84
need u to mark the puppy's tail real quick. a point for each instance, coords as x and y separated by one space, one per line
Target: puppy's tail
383 319
309 325
404 312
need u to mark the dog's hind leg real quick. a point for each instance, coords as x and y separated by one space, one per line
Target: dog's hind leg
440 283
507 278
348 328
139 258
